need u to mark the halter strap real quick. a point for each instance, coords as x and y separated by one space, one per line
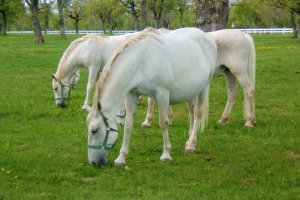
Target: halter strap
62 92
73 84
105 146
122 116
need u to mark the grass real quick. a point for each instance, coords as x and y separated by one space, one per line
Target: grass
43 149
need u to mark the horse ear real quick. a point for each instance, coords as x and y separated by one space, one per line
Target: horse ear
99 106
54 78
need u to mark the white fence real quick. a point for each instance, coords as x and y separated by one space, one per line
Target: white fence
267 30
249 31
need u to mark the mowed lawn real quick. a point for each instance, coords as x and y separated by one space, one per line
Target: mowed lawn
43 149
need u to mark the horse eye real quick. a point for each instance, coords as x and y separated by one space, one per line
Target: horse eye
56 89
94 131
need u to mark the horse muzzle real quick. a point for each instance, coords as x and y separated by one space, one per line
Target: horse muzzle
61 104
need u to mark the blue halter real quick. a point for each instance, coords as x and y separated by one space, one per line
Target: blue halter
105 146
62 92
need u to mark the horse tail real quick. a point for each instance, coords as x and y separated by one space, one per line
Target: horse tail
251 67
205 111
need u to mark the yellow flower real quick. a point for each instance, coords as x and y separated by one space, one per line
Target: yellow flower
2 169
16 177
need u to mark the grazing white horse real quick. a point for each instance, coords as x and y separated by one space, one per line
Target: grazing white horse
236 57
172 68
90 51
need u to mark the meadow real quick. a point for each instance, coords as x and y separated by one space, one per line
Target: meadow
43 149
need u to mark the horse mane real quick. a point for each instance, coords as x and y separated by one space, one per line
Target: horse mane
148 32
164 30
72 46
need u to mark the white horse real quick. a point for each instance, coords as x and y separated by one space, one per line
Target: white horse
236 57
171 68
90 51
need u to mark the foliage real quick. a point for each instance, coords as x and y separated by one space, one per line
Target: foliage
75 10
43 152
11 10
256 13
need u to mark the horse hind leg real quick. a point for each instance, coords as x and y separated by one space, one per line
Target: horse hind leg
149 116
249 99
231 93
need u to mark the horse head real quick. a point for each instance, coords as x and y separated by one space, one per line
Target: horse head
102 135
61 92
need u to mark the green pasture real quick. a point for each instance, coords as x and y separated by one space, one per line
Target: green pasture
43 149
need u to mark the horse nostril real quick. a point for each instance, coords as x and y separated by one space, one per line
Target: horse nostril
63 105
103 161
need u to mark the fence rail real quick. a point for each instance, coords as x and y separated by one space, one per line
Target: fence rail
122 32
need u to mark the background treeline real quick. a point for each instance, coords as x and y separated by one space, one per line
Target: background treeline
111 15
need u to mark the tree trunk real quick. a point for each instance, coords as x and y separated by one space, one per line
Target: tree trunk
212 15
61 20
298 30
181 16
144 13
136 21
4 20
294 26
204 10
222 15
103 24
109 22
36 22
156 22
135 15
76 25
46 23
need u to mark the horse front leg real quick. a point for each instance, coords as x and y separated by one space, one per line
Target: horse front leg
130 104
200 112
93 73
149 116
163 105
231 92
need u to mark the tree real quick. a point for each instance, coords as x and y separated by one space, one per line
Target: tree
181 6
34 8
144 13
103 10
156 6
293 6
60 5
46 12
212 14
10 9
75 10
132 7
245 14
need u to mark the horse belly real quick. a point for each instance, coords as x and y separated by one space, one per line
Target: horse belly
188 85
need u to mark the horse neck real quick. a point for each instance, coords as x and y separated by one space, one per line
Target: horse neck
68 66
115 89
69 69
111 45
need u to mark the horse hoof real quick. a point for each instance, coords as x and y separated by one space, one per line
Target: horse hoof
145 125
248 124
223 122
165 159
189 150
86 107
119 162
